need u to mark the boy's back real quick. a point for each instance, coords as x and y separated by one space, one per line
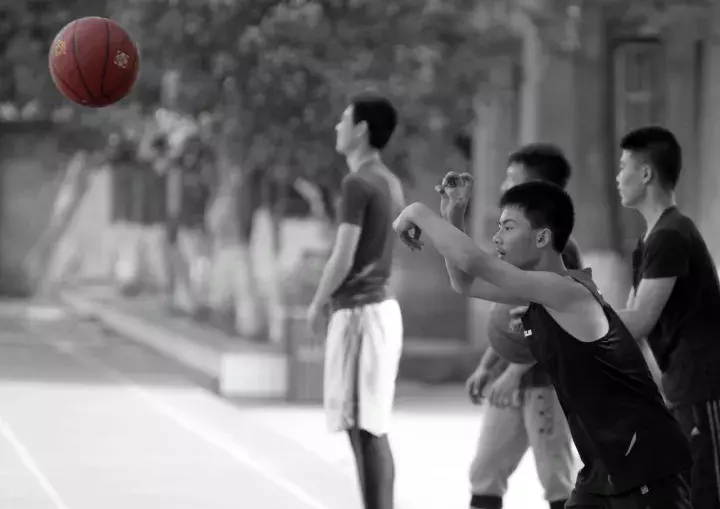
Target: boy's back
615 411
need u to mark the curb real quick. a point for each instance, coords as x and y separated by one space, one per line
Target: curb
235 373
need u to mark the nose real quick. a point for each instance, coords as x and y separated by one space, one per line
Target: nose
496 239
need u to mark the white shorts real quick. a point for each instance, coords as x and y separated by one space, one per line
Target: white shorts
362 356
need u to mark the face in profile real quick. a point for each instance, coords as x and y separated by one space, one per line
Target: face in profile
517 242
347 133
632 179
515 175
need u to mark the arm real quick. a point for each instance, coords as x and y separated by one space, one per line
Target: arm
468 285
666 258
520 287
353 202
459 280
489 359
652 295
455 192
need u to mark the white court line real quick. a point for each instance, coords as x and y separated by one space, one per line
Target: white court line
221 441
29 462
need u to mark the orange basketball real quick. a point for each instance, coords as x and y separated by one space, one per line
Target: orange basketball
512 346
94 62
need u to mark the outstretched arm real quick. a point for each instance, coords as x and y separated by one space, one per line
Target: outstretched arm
455 192
471 286
548 289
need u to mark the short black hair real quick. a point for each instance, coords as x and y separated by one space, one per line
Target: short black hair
380 116
543 161
545 205
660 149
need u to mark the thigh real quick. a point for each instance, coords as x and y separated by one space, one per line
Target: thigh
381 331
340 371
547 427
701 424
502 442
551 442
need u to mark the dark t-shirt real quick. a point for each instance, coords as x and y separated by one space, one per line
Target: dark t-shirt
686 338
371 198
625 435
536 376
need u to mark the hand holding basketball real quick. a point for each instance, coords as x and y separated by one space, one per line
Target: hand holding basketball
510 344
516 315
455 191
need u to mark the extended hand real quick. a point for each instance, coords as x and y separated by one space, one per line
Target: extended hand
476 384
505 390
455 192
408 231
315 318
516 315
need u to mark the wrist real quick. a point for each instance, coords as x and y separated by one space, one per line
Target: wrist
317 303
457 217
518 370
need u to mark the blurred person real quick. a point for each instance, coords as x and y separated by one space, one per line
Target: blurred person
190 169
674 300
365 330
231 271
137 204
633 452
53 259
536 418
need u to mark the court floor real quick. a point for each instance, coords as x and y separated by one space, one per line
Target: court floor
89 420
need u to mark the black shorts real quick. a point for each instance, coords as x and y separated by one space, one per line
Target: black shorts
670 493
701 424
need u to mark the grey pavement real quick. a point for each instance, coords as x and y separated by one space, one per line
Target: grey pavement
90 420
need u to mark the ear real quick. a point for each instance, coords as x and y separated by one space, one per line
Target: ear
361 128
543 238
647 173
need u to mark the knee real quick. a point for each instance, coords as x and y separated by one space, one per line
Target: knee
557 478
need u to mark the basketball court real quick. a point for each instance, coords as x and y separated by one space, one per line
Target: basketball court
90 420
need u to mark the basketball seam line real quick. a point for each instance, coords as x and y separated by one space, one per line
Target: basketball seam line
77 65
65 83
107 62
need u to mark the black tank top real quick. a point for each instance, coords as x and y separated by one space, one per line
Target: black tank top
625 435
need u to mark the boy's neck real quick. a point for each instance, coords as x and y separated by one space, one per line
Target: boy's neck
552 262
654 205
361 156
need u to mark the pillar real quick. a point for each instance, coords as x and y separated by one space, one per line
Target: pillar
494 137
709 121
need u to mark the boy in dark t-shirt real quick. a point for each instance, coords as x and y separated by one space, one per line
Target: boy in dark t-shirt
365 332
633 450
675 300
